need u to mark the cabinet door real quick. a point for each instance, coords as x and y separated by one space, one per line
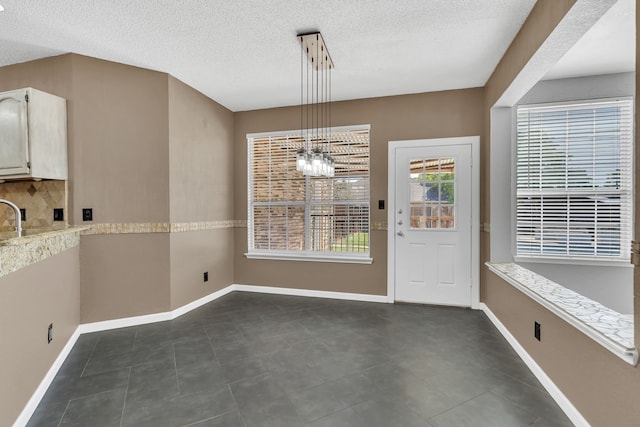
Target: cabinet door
14 149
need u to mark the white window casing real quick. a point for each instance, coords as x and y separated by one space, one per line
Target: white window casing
297 217
574 181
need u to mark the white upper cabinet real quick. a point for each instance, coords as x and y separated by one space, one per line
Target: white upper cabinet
33 135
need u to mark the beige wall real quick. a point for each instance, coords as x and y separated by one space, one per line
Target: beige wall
120 150
124 275
30 299
428 115
193 253
201 156
51 75
120 167
601 386
201 182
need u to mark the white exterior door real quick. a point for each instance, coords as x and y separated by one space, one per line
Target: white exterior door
432 224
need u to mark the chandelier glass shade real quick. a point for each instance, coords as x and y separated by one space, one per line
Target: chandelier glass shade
314 157
315 163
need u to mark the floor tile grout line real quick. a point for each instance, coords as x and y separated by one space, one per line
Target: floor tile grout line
210 418
66 408
458 405
175 367
237 406
84 396
532 386
135 340
90 356
126 393
213 350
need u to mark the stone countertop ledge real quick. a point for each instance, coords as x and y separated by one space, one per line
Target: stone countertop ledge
35 245
609 328
9 237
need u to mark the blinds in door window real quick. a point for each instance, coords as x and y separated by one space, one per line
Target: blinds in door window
574 179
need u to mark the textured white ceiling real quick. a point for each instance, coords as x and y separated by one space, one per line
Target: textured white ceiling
244 53
608 47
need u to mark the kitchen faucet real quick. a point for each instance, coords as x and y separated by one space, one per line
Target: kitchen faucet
16 211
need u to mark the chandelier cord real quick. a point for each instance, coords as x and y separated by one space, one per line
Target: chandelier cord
301 90
317 100
309 101
313 158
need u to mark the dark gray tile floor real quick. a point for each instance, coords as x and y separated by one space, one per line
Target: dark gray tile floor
267 360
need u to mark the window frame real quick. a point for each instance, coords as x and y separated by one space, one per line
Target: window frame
304 255
615 261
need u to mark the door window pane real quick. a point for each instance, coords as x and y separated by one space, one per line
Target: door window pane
432 193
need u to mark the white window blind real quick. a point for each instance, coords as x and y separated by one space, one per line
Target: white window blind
293 213
574 180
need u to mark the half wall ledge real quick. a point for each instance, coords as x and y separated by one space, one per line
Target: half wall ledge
612 330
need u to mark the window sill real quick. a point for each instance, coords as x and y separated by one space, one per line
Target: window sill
353 259
573 261
612 330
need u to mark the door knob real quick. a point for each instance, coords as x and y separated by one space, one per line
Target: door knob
400 233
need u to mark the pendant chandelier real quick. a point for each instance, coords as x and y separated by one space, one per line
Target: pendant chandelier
314 157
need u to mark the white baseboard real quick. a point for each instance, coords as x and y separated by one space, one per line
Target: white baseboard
202 301
169 315
152 318
565 404
37 396
311 293
106 325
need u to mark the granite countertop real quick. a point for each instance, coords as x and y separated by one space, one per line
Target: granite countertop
29 235
35 245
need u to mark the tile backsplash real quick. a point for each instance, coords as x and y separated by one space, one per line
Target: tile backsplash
39 198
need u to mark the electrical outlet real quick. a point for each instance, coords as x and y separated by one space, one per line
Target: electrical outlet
23 214
536 330
50 333
87 214
58 214
206 276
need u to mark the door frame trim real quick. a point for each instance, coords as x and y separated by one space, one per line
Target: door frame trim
474 142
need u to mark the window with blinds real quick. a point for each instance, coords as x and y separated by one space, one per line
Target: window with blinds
290 213
574 180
